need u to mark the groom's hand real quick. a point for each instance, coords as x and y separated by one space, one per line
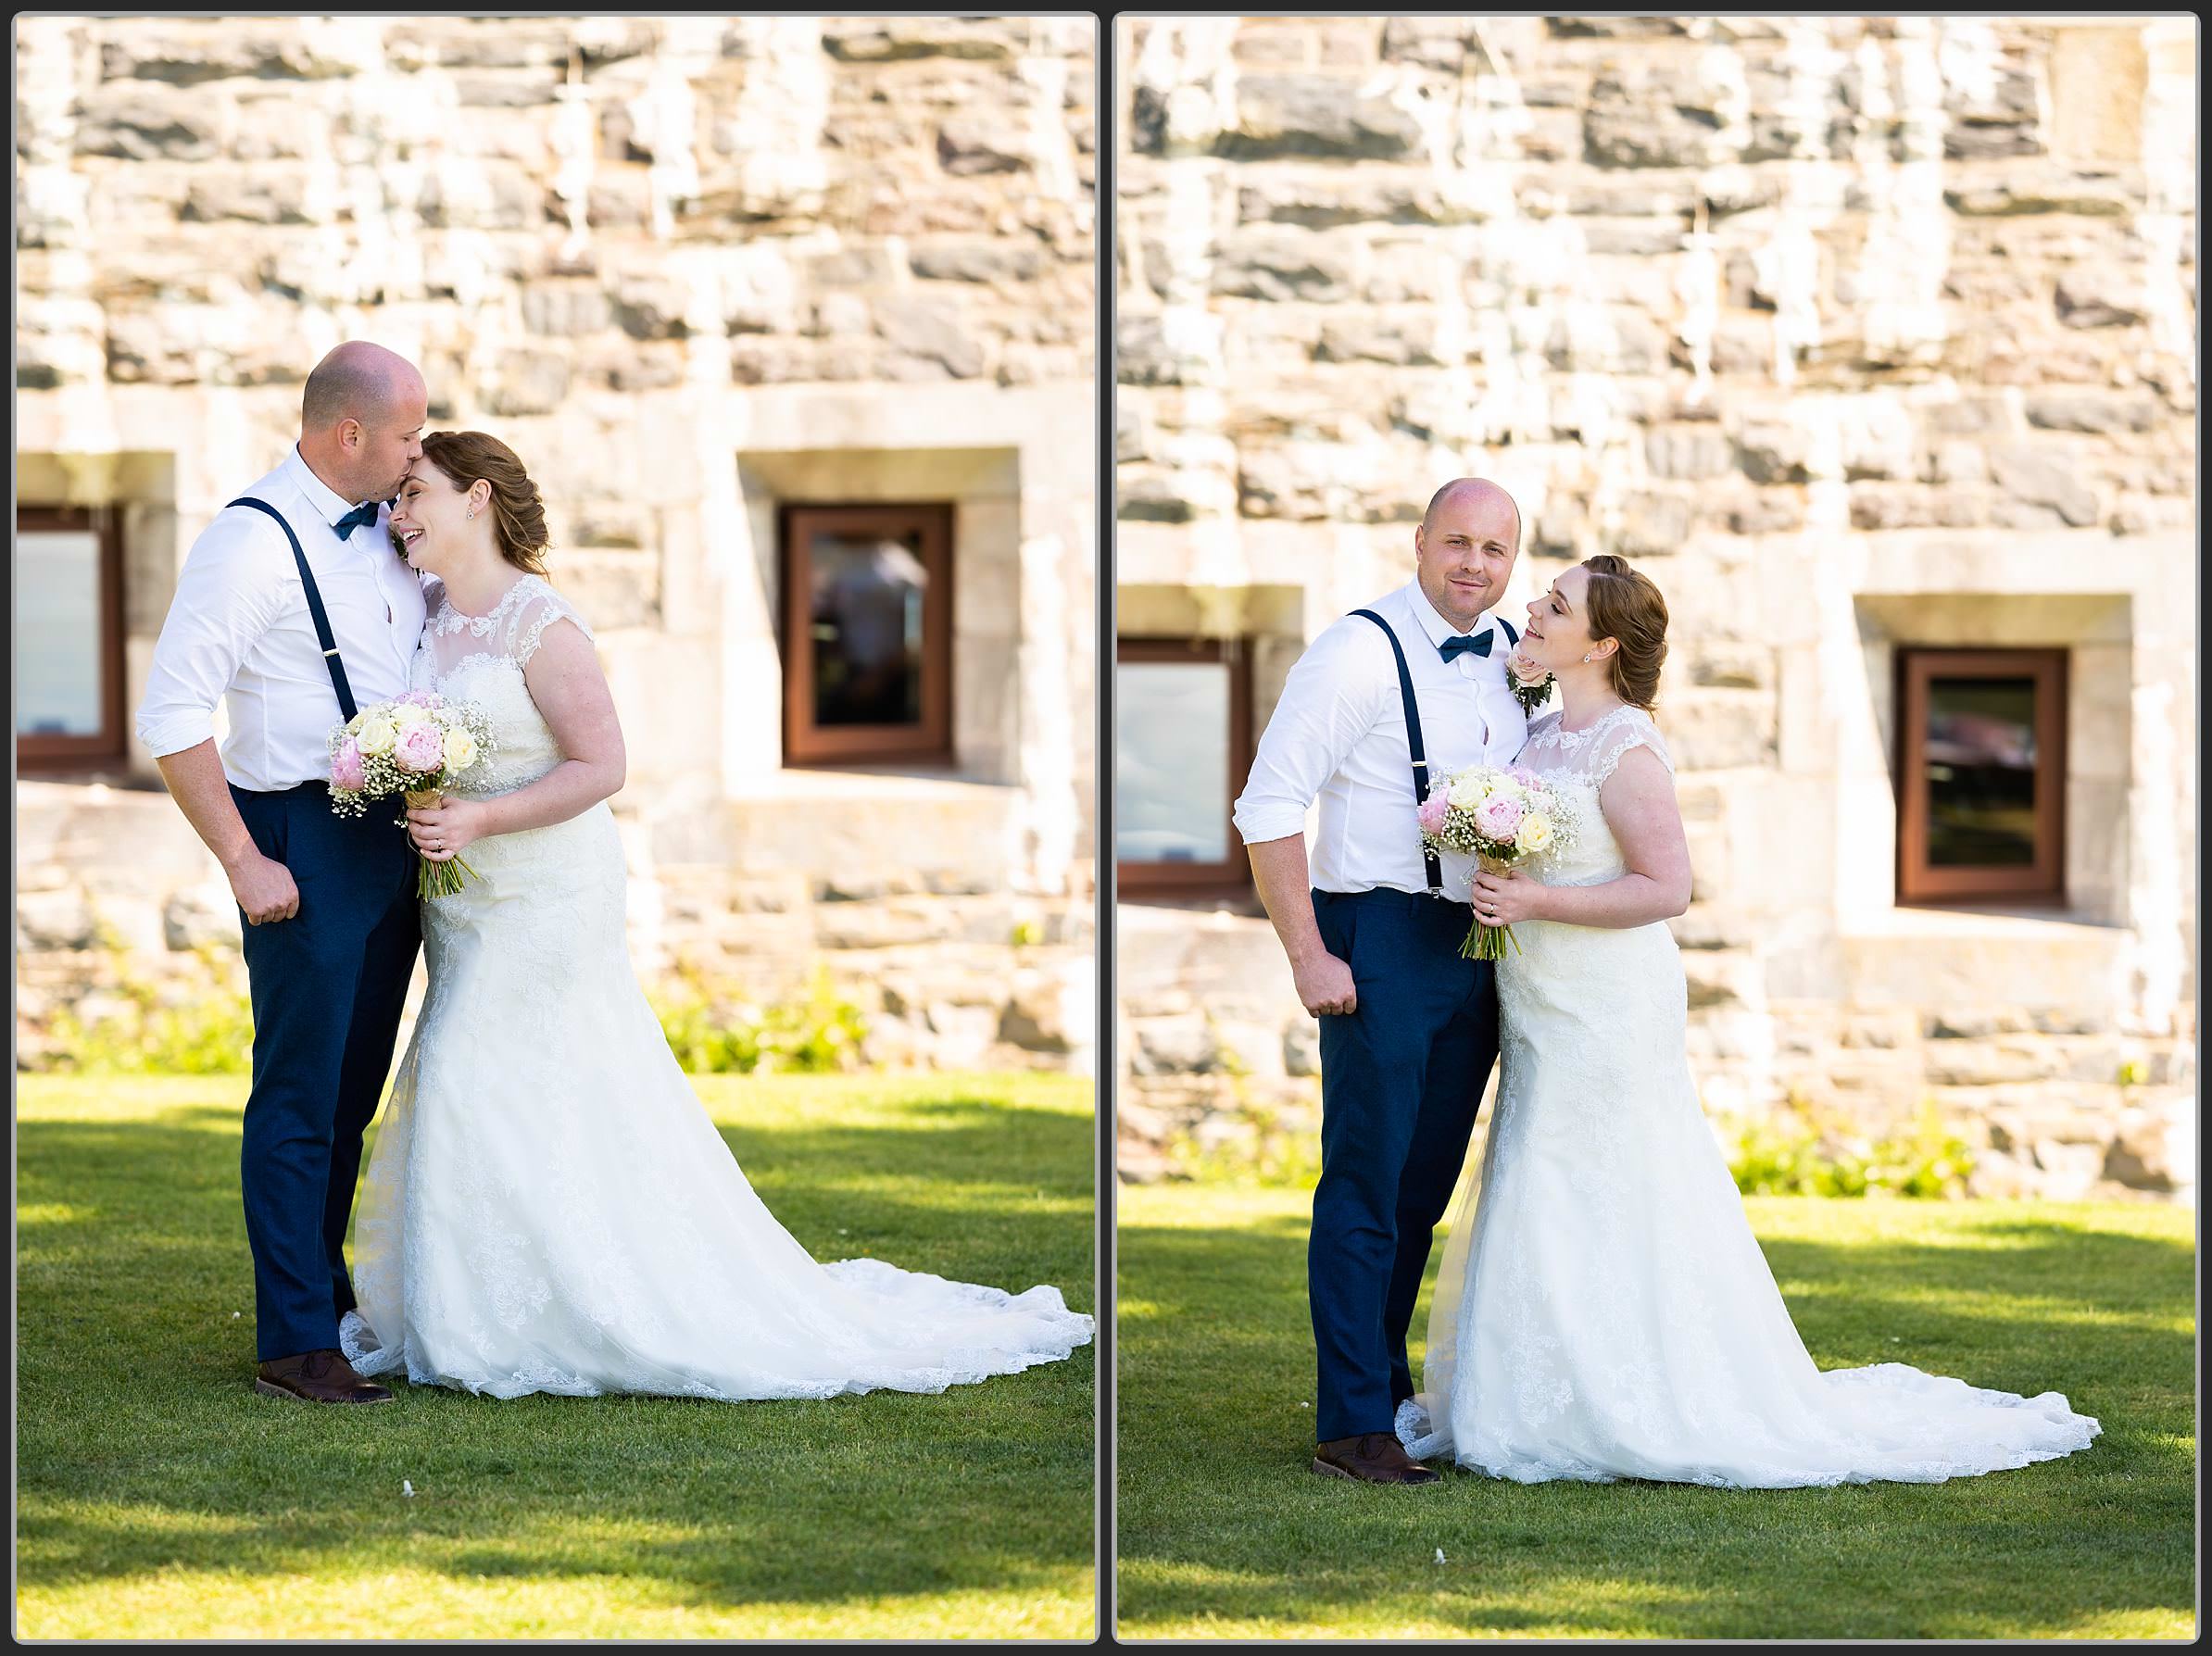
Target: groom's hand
264 888
1325 986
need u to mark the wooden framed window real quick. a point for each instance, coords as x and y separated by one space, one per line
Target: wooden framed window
1982 774
867 633
1183 744
69 637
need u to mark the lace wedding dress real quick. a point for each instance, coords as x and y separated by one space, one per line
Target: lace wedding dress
548 1208
1602 1310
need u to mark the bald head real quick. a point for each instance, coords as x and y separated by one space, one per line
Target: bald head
1472 492
1463 551
361 419
357 381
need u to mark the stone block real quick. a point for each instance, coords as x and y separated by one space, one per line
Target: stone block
1282 264
2100 296
933 330
1770 512
187 53
56 919
647 307
1399 340
566 309
2093 411
256 195
770 359
1719 729
200 917
902 39
1773 452
1368 195
977 260
1693 450
2043 477
1658 118
1330 115
2015 190
972 144
1178 1044
529 382
132 120
1651 525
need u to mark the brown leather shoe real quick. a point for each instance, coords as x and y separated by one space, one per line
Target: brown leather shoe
318 1377
1371 1457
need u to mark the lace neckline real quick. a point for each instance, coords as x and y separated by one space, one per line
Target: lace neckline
449 620
1568 740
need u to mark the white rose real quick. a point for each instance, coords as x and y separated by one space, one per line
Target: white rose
406 712
1468 792
377 735
1536 832
461 747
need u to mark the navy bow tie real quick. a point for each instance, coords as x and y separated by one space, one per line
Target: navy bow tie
363 513
1466 643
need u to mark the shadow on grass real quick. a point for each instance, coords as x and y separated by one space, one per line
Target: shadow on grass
144 1450
1222 1524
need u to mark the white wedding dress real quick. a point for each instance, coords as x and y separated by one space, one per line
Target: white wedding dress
548 1207
1602 1310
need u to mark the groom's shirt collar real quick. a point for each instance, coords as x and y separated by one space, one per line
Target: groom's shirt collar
327 503
1432 619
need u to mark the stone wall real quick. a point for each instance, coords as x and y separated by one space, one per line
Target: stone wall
689 267
1855 333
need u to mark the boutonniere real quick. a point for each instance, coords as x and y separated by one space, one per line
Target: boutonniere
1531 683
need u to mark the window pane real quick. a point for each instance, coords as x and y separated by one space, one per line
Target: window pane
1981 772
57 634
868 594
1171 766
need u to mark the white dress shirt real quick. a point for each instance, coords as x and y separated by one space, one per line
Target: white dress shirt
239 628
1337 735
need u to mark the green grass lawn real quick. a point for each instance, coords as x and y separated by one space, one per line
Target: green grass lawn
159 1497
1225 1534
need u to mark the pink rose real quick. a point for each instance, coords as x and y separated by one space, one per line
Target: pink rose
1525 777
1526 671
347 772
420 698
1498 819
1431 814
420 748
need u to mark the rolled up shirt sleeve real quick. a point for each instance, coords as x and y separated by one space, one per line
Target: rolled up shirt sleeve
229 593
1329 701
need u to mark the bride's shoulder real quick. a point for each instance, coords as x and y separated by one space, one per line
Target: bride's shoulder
538 605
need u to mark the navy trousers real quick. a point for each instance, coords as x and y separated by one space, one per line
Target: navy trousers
1402 1078
328 986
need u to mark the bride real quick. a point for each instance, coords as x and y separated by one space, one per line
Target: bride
1602 1310
548 1208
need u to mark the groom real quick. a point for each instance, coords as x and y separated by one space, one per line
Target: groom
293 606
1415 686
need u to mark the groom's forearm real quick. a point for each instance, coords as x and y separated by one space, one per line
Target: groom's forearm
196 781
1280 875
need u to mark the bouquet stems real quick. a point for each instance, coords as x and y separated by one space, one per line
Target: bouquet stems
1488 942
435 879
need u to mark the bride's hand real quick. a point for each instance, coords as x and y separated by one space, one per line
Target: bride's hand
441 833
1501 899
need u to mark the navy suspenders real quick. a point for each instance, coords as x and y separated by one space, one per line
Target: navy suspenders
322 621
1434 869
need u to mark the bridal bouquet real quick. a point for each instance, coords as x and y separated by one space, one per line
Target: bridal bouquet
1505 818
412 745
